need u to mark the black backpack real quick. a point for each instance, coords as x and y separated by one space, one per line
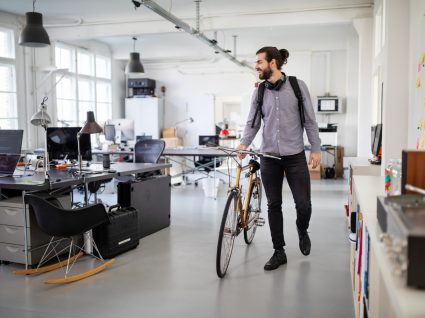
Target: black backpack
294 84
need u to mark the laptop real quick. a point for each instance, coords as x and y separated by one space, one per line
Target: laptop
10 150
8 164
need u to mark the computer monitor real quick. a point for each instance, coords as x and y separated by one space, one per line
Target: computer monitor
109 131
377 140
208 140
124 129
11 141
62 143
372 137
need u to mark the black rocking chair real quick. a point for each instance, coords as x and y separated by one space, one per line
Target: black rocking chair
63 223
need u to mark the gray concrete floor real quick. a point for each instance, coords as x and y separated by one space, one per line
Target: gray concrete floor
172 272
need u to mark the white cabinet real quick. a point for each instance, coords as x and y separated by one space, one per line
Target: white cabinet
148 115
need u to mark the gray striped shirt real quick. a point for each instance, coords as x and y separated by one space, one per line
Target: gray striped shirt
282 131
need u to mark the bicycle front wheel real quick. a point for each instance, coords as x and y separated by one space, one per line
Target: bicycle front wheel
227 234
254 211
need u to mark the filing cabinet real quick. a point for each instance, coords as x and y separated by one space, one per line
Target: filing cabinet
12 235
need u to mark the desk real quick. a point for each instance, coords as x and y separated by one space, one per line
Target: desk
59 179
195 152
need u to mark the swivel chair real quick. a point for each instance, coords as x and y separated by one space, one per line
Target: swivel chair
148 150
63 223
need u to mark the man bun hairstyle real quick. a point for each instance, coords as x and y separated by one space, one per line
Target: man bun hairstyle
284 53
280 56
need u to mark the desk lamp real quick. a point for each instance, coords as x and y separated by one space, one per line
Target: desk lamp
41 118
90 127
190 119
178 123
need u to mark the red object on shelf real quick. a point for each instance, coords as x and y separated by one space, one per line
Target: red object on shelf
224 132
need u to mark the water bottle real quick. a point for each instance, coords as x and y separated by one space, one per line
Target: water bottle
388 173
396 178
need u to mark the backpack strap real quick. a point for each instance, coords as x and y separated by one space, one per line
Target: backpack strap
260 95
294 83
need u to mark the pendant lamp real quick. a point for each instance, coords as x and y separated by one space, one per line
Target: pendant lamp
134 65
34 34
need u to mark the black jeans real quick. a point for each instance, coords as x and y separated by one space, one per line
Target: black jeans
296 170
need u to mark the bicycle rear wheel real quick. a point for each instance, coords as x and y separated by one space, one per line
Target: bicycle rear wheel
254 211
227 234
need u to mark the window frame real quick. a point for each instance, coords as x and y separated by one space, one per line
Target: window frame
11 61
80 119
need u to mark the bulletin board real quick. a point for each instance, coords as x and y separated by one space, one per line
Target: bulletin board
419 101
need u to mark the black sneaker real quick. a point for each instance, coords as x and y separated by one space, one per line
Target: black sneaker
305 243
278 258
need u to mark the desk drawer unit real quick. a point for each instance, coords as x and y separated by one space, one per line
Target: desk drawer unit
15 235
16 254
12 213
12 235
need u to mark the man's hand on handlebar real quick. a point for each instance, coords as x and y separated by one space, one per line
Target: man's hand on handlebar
241 155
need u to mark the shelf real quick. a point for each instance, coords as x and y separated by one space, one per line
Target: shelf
403 301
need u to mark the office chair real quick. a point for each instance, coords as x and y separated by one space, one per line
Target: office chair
64 223
146 151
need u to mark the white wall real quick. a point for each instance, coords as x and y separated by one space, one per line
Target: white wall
395 79
417 47
190 92
364 115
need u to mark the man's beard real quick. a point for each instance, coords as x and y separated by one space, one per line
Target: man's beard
265 74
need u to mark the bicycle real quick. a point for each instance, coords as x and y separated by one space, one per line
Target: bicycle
240 213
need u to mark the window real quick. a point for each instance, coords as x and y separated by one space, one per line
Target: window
85 87
8 102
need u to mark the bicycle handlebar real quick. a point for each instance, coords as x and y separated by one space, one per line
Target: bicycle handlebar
248 152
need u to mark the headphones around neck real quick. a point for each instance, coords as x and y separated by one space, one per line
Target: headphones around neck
277 85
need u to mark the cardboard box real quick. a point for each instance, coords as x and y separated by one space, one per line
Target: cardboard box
169 132
172 142
315 174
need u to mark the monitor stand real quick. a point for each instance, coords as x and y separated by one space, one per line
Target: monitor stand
118 137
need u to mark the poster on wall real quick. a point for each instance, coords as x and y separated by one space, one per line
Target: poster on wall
419 106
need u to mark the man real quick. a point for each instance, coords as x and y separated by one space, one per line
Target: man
283 137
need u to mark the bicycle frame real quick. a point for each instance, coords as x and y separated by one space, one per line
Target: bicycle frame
237 188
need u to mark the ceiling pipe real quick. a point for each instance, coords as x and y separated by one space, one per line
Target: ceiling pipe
179 24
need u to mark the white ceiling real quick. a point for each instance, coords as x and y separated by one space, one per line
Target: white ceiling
297 25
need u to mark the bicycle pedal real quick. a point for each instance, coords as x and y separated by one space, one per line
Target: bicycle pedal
260 221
